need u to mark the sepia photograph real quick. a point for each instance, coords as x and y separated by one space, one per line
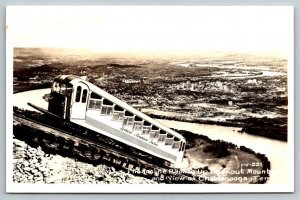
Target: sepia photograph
155 99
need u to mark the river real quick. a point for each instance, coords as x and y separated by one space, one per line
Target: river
276 151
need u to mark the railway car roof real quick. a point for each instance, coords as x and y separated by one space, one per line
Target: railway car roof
127 107
65 79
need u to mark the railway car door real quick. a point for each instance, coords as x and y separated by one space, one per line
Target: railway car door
79 101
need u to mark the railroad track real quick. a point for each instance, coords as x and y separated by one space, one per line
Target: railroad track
66 143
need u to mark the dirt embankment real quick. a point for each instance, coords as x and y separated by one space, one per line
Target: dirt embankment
224 162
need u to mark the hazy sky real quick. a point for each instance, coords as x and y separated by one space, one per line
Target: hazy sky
154 29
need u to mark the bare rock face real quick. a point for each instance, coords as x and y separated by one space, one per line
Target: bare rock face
32 165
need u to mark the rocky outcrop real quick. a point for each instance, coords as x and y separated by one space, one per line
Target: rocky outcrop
33 165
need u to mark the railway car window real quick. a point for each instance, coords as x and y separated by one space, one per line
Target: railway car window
147 123
106 110
118 108
162 137
118 115
137 126
169 141
103 110
78 93
63 89
92 104
183 148
180 146
125 121
109 110
107 102
154 134
176 145
136 118
98 104
127 113
128 121
146 130
115 116
95 96
84 94
95 104
121 116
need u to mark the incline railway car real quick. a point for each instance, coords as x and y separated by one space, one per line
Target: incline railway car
85 104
